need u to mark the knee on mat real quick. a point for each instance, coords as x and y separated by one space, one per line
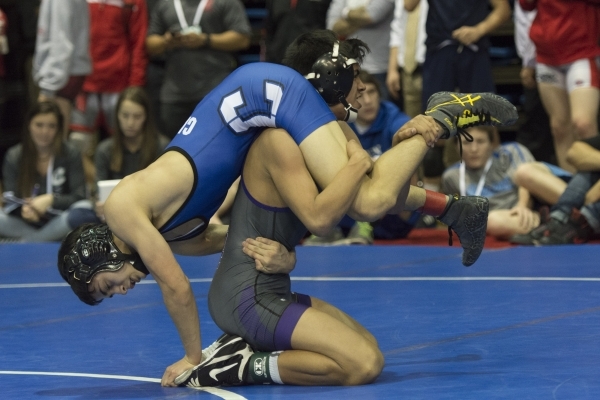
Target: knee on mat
367 368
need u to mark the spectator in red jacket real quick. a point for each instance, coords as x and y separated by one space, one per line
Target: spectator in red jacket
565 34
117 46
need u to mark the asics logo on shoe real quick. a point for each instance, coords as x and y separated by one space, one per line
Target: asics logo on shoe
468 116
213 374
465 100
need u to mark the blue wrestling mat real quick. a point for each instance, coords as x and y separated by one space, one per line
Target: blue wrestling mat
522 323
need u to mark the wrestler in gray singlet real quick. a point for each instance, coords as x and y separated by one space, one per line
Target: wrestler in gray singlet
243 301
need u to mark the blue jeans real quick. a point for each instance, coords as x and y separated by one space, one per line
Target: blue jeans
55 230
574 197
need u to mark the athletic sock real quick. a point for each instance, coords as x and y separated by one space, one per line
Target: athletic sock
263 369
435 203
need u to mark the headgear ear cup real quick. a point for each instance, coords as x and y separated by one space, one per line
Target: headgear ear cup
333 76
95 251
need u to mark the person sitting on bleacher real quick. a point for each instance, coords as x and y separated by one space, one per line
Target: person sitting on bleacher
43 180
377 122
576 214
134 145
488 170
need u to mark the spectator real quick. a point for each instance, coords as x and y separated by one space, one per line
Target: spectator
134 145
155 74
488 170
3 50
565 34
368 20
375 126
199 33
407 54
117 34
534 130
62 60
21 26
286 20
576 214
457 56
43 180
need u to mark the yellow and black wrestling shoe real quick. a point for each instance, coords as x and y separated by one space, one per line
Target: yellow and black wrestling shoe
457 111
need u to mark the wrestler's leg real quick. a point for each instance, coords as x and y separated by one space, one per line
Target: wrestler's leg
325 154
328 351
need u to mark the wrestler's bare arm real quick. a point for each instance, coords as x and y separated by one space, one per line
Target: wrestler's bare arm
278 156
132 211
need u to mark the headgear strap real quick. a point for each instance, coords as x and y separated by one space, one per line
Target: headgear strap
333 76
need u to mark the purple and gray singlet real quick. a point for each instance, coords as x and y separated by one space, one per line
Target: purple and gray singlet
242 301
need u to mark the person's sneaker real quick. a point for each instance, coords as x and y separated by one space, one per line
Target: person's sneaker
361 233
458 111
226 365
576 230
467 216
329 240
533 236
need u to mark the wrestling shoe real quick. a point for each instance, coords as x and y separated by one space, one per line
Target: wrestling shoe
226 365
467 216
458 111
530 238
575 230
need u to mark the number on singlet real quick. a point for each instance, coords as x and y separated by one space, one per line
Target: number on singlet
186 129
238 116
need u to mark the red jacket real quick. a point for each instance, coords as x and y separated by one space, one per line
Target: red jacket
117 45
3 42
565 30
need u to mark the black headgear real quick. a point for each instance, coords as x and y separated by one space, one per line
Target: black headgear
95 251
333 75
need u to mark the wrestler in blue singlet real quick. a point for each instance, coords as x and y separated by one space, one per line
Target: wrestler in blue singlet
259 307
217 136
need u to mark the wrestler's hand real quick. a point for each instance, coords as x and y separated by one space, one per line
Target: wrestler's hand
358 155
174 370
271 257
421 125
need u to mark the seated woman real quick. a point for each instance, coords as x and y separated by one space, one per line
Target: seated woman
134 145
43 180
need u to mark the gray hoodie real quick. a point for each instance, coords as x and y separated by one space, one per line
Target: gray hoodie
62 44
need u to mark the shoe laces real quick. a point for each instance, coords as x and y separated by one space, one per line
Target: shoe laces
207 352
452 199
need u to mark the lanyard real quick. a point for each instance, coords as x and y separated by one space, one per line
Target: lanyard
197 16
463 186
50 175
